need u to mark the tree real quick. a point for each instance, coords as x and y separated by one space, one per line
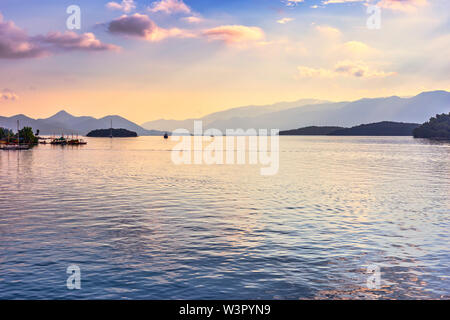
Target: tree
27 136
436 127
4 133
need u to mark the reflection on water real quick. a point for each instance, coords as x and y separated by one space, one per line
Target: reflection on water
140 227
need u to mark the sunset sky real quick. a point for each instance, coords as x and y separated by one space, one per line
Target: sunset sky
146 60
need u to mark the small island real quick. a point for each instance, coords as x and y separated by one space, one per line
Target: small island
384 128
112 133
436 128
310 131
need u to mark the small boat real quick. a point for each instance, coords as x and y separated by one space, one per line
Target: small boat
166 136
59 141
76 142
12 147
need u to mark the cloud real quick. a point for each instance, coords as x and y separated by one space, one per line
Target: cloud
329 32
395 5
8 95
284 20
293 48
307 72
359 69
402 5
125 5
331 42
356 48
169 7
233 34
72 41
194 19
342 1
291 3
347 68
16 44
140 26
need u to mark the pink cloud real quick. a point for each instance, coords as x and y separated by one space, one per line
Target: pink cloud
284 20
8 95
16 44
395 5
328 31
348 68
402 5
194 19
170 6
342 1
140 26
232 34
73 41
125 5
291 3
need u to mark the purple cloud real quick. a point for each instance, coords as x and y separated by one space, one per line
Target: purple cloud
15 43
125 5
169 6
72 41
140 25
135 25
7 94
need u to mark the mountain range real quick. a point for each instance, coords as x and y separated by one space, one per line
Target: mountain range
283 116
303 113
65 123
230 114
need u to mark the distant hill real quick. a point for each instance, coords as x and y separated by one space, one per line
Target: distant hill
310 131
63 122
437 127
282 116
286 116
384 128
116 133
229 114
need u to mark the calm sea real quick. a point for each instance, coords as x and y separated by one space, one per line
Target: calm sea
140 227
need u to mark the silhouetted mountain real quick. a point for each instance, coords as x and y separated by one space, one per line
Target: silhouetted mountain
283 116
310 131
230 114
63 122
437 127
384 128
11 123
344 114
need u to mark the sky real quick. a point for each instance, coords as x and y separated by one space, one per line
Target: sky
178 59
